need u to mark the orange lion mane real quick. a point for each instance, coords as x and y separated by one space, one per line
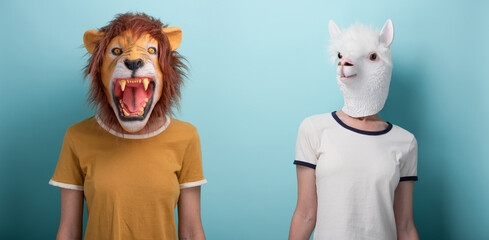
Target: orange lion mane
170 63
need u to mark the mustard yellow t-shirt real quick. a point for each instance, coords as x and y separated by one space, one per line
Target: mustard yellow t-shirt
131 182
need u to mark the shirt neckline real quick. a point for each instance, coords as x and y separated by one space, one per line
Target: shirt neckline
372 133
133 136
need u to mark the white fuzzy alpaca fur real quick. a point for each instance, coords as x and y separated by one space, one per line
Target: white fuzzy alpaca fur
365 85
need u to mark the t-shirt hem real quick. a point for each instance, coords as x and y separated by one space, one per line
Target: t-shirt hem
305 164
65 185
193 184
408 178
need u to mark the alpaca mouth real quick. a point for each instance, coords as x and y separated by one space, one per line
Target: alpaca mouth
133 97
343 77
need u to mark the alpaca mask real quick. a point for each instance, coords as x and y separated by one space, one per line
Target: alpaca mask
364 66
134 62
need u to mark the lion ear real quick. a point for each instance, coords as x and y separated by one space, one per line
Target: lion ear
90 39
174 34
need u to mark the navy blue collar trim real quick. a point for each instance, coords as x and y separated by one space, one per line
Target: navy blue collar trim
389 127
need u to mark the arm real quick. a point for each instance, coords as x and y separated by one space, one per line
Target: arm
304 219
189 222
403 211
70 224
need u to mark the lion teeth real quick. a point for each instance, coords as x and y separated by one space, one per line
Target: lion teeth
125 113
145 83
146 100
123 84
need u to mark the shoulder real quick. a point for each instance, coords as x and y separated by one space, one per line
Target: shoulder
182 128
403 136
402 133
82 127
319 118
318 122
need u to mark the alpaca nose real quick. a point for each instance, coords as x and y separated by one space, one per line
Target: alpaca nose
345 62
346 69
134 64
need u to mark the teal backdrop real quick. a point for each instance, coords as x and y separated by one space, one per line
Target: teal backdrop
257 69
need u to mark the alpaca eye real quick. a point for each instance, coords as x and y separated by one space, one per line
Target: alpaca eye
373 56
116 51
152 50
339 55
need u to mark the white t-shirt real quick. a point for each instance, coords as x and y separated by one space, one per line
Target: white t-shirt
356 175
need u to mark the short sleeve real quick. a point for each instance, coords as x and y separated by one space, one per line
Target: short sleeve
306 145
68 173
409 163
191 174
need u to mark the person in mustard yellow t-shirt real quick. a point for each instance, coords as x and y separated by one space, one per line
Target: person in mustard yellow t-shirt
131 162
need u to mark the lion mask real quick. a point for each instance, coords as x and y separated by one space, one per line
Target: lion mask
135 71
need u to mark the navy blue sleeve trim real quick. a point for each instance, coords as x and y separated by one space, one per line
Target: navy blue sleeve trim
409 178
305 164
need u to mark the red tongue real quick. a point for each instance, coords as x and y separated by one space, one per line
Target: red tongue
133 98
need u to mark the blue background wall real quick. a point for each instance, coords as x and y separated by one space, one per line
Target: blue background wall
257 69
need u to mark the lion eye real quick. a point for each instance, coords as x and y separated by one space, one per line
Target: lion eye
117 51
152 50
339 55
373 56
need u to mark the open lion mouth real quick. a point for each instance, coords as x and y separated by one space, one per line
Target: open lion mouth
133 97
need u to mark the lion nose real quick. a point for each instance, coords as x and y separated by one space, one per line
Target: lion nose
134 64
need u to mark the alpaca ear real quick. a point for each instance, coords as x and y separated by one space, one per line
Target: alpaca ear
387 33
334 30
90 39
174 35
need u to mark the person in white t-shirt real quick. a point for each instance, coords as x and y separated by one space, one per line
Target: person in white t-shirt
355 171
